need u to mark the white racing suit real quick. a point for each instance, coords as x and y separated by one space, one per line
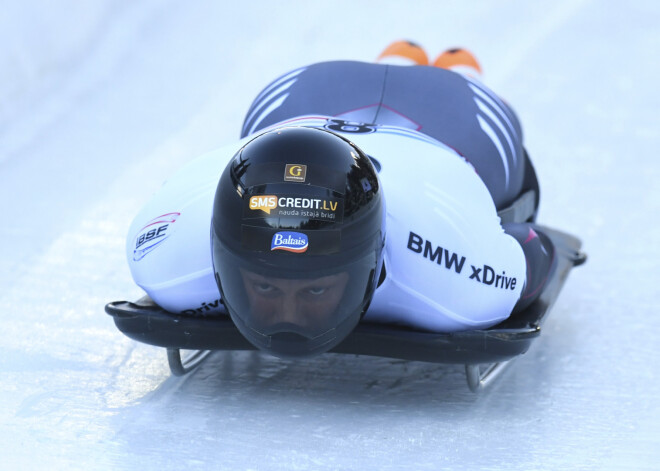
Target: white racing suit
449 155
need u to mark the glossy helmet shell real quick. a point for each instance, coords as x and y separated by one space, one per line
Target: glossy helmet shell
297 239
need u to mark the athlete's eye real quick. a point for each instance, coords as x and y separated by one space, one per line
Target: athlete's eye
264 288
317 290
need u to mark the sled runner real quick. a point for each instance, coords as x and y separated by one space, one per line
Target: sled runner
490 349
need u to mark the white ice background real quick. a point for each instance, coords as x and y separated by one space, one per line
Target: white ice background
100 101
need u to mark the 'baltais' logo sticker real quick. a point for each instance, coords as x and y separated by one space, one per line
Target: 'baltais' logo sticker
322 209
154 233
295 173
290 241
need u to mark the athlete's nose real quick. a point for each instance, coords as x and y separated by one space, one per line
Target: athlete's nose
289 309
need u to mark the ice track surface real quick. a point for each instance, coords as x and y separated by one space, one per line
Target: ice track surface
101 101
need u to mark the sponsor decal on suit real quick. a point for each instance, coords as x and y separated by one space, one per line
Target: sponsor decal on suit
153 234
481 273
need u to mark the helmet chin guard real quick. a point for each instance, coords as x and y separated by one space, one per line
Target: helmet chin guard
297 239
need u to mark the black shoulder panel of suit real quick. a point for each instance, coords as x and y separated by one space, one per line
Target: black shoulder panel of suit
457 111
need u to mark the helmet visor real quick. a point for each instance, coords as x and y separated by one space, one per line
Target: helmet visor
291 312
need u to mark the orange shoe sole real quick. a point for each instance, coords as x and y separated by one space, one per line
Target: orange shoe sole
457 58
407 50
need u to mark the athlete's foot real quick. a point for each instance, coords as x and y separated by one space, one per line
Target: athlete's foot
459 60
403 53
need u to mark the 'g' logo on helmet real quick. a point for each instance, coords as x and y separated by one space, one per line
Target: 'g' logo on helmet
295 173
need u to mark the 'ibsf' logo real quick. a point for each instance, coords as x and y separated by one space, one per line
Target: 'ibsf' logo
290 242
295 173
153 234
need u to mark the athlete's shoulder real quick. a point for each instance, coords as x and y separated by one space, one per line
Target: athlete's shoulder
317 71
449 264
167 243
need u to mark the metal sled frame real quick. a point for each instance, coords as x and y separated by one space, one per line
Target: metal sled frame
490 349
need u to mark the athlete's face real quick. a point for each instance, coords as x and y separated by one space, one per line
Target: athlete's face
303 303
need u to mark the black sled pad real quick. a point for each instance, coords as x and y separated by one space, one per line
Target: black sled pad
145 322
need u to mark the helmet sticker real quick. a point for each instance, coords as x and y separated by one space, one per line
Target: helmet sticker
315 242
296 242
322 209
295 173
265 203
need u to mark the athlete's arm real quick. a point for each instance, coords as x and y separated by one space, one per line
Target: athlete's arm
539 256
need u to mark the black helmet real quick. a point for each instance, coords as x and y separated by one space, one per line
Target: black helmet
297 238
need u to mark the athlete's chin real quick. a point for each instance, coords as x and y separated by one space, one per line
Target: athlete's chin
290 328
